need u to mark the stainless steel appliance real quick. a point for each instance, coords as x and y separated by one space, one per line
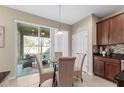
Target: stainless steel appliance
122 65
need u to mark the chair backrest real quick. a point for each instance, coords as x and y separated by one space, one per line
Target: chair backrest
66 69
80 57
39 63
58 55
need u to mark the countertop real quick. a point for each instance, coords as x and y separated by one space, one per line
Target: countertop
3 75
120 76
113 56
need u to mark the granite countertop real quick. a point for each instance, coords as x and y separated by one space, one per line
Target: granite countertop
113 56
120 76
3 75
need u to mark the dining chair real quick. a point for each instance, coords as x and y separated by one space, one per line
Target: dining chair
44 74
65 71
58 55
78 66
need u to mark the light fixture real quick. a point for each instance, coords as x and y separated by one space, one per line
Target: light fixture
42 33
32 30
59 32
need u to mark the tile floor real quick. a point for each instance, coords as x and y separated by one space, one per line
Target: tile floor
25 71
32 81
28 70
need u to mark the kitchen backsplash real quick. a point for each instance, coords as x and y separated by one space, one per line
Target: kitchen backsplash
118 49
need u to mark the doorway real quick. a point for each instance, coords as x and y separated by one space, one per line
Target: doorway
80 45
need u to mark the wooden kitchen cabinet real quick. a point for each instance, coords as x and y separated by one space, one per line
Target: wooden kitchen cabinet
111 30
103 32
116 33
111 69
106 67
99 67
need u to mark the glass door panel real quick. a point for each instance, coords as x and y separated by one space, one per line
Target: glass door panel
45 45
27 47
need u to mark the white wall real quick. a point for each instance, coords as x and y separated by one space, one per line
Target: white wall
65 44
94 20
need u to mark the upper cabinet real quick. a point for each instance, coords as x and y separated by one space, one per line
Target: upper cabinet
102 32
116 33
111 31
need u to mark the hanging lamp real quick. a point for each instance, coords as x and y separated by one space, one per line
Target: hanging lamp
60 32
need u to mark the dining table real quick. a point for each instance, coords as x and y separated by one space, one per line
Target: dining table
4 78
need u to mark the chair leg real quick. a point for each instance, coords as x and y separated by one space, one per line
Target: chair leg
72 84
81 79
39 84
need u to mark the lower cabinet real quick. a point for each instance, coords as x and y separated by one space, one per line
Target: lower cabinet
99 67
106 67
111 69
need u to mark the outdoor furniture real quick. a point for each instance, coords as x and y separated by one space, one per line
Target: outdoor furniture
78 66
44 61
44 74
28 60
65 71
27 63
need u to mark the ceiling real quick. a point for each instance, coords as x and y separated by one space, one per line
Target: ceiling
70 13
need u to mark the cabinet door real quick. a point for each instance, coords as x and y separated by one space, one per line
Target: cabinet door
102 32
116 34
98 67
111 69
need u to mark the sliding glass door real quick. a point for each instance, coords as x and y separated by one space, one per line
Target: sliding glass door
32 40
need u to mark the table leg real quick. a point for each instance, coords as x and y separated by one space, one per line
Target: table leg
54 84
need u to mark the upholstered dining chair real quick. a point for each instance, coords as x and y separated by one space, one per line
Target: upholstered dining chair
65 71
78 66
44 74
58 55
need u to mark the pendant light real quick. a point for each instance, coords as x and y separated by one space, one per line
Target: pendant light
59 32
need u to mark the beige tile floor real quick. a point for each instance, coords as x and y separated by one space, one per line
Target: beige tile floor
32 81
